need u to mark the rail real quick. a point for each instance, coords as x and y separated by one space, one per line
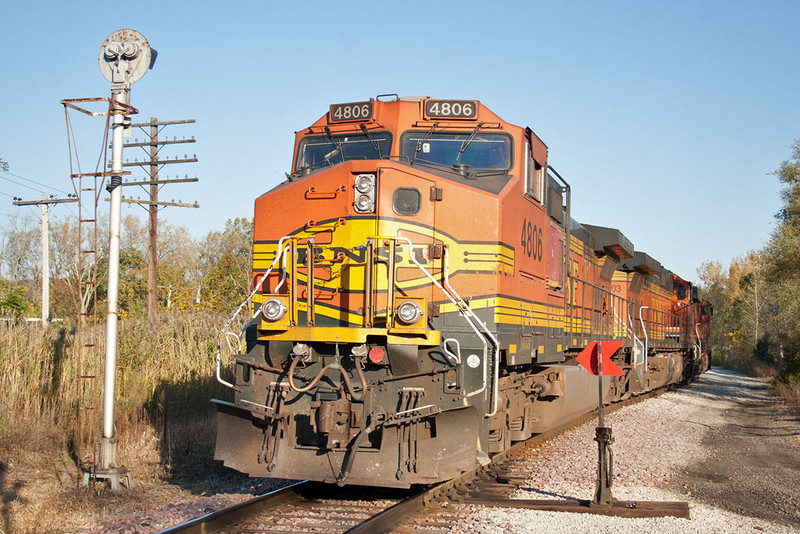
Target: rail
661 327
499 477
601 314
699 345
224 331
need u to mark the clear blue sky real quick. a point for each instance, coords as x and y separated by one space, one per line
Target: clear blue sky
665 117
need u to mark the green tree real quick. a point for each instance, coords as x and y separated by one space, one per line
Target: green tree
13 299
3 164
783 263
753 298
225 264
740 295
757 298
784 245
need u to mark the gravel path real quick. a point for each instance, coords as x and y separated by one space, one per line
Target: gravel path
722 444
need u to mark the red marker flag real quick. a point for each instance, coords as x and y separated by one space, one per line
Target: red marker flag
588 357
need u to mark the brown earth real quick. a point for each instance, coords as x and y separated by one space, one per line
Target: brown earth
754 463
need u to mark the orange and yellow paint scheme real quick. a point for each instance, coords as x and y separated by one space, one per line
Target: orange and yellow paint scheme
420 292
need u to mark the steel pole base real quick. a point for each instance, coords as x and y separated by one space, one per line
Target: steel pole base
603 497
112 476
107 468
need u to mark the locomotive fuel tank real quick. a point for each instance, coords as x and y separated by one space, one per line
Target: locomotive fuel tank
574 394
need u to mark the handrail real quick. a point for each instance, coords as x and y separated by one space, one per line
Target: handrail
603 291
699 341
644 329
618 320
285 249
283 264
567 222
293 283
249 298
455 355
368 268
310 319
464 307
468 315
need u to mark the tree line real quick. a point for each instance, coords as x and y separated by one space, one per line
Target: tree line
756 298
209 274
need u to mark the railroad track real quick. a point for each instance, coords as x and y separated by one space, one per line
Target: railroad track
321 509
301 507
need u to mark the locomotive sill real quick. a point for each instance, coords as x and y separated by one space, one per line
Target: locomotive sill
342 334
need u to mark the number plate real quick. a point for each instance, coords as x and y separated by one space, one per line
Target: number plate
354 111
451 109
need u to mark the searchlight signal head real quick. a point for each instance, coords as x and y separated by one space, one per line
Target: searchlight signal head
125 57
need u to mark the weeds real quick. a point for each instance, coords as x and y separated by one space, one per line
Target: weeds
743 363
789 389
165 381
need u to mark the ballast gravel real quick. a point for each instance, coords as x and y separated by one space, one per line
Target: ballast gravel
662 452
722 444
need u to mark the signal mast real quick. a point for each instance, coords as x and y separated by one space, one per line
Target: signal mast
124 58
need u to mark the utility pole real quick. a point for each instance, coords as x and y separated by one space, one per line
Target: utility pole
45 265
153 166
44 204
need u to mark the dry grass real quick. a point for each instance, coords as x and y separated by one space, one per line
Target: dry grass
789 389
41 492
742 362
164 420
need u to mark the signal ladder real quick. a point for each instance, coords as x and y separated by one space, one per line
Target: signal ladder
87 191
88 188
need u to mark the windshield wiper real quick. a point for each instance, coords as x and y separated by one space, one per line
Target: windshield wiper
374 141
310 167
336 142
467 141
419 143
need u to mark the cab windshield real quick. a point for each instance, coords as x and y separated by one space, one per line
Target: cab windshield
478 150
326 150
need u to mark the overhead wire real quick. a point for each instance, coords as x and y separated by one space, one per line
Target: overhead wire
23 185
34 182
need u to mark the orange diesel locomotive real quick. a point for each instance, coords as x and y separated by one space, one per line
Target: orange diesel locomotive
420 294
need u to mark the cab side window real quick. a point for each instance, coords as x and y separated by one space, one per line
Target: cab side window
680 292
534 174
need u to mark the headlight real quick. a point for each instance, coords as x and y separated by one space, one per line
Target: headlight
364 183
363 203
364 186
408 312
273 309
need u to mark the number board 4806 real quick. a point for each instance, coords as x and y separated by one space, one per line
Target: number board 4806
451 109
354 111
